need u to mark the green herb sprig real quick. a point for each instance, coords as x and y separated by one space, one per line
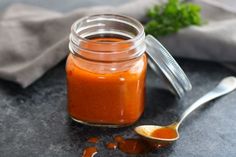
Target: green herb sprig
170 17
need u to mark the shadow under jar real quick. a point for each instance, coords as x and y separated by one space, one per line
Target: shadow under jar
106 70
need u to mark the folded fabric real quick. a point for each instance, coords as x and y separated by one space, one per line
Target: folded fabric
33 40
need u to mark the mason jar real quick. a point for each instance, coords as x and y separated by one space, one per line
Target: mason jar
106 70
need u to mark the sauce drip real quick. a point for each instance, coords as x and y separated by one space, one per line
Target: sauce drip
89 152
118 138
93 140
129 146
111 145
136 146
165 133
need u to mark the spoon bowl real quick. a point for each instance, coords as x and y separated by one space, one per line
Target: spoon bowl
226 86
146 131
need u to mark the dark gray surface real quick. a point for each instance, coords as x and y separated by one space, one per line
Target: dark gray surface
34 121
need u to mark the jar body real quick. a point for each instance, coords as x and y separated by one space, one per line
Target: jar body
106 71
110 98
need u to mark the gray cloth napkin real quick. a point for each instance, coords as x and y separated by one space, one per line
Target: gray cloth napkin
33 40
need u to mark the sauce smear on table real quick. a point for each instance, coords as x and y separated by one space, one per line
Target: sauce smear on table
135 146
118 138
111 145
89 152
130 145
93 140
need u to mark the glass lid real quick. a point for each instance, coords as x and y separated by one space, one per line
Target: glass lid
161 60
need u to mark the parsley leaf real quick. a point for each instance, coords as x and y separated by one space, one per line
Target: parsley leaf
170 17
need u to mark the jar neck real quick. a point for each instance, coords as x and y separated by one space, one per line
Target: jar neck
107 38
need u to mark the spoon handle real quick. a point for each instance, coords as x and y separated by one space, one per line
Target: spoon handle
227 85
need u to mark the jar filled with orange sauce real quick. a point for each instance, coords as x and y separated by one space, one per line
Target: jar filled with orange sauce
106 70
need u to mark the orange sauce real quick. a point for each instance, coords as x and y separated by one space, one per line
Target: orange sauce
118 138
93 139
129 146
136 145
111 145
89 152
115 98
166 133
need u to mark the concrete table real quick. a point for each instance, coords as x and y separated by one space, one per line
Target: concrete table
34 121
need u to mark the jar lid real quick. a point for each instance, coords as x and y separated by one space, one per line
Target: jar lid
161 60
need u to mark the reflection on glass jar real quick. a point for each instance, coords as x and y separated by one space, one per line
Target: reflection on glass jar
106 70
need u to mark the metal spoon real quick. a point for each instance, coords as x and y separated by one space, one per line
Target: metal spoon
227 85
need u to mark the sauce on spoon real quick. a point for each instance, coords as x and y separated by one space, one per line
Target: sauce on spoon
165 133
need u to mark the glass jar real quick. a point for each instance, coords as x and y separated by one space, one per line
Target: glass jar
106 70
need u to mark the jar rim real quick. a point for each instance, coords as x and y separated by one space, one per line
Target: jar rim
135 24
101 25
